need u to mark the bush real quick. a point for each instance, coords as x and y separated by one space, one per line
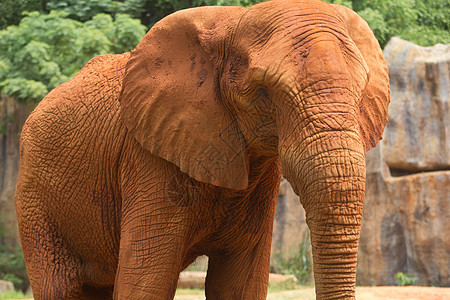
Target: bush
12 268
404 279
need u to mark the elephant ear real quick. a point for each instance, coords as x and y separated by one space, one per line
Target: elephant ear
376 96
170 101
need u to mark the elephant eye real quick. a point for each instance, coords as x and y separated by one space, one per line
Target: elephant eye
261 92
261 96
254 97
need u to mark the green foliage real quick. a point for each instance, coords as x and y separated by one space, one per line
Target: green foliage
376 22
11 10
45 50
347 3
432 23
298 263
84 10
389 18
12 268
81 10
122 34
404 279
424 22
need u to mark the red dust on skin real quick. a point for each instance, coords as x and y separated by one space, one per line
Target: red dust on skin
145 160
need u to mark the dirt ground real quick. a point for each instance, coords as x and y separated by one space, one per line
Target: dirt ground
362 293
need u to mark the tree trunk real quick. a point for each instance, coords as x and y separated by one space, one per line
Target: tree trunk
12 117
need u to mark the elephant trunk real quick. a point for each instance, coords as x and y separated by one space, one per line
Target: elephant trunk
327 171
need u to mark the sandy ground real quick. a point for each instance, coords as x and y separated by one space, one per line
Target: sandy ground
362 293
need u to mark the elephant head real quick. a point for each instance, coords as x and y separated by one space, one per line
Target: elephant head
302 80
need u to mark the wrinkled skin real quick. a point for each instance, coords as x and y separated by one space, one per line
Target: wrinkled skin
148 159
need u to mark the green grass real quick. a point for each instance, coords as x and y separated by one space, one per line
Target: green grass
190 292
14 295
283 286
297 295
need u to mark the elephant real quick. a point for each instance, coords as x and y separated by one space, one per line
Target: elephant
148 159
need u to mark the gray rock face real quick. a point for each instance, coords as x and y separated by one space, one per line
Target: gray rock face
417 137
405 225
406 213
289 228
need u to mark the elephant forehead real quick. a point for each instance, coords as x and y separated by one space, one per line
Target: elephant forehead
275 31
291 18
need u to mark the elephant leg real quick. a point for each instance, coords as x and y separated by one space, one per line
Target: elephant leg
148 274
240 275
150 257
53 270
57 282
55 273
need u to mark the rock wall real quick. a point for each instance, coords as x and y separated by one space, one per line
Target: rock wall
406 213
289 228
417 137
12 117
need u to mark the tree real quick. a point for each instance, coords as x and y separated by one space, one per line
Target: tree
45 50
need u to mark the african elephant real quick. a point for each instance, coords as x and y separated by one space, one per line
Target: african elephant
146 160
